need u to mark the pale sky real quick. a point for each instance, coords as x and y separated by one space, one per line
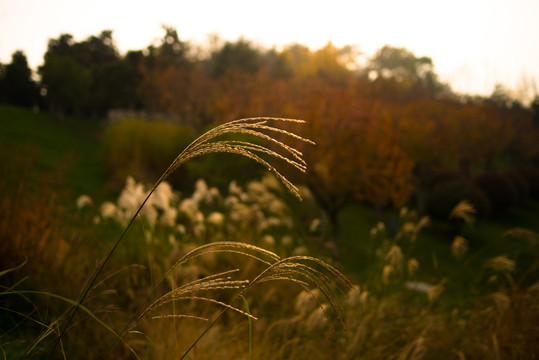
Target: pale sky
474 44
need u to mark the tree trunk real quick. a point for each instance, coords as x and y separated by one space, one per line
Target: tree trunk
334 235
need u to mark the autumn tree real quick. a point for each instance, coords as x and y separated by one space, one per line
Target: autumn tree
170 51
234 81
520 130
240 55
483 133
401 64
329 62
401 76
357 156
179 94
173 82
424 126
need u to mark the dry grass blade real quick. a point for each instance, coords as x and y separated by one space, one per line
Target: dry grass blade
7 271
213 282
255 252
115 273
222 146
293 151
157 317
227 306
301 165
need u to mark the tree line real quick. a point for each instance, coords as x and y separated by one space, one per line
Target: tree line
90 77
386 131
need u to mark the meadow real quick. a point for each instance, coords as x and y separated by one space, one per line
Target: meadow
414 287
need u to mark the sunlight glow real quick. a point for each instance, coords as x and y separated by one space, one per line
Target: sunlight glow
474 43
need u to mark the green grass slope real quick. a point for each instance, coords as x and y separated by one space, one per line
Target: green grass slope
63 153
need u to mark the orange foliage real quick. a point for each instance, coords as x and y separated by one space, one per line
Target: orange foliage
376 139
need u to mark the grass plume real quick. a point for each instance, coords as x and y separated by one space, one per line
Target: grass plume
209 143
465 211
500 264
459 247
305 271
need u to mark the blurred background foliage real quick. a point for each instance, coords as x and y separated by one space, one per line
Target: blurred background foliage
393 145
388 132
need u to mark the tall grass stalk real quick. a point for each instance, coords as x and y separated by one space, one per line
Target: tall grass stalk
246 304
212 142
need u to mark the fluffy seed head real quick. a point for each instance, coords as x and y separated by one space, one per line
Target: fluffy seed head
465 211
521 233
386 273
459 247
395 257
501 264
412 267
83 201
500 300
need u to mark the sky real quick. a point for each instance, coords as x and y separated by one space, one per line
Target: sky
474 44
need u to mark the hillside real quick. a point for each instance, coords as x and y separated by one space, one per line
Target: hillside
63 153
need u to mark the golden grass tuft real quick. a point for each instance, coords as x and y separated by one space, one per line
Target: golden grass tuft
210 143
434 292
413 229
459 247
500 300
323 283
500 264
309 272
527 235
387 272
306 301
412 266
395 257
465 211
415 351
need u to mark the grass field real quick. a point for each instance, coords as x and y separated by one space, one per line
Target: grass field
65 151
479 312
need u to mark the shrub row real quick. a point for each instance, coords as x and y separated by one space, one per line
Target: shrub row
445 195
142 148
492 193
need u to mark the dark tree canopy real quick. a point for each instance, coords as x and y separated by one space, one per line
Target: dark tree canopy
88 77
239 55
170 52
400 63
16 84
